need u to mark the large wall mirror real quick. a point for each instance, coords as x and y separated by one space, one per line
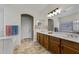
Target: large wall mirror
71 26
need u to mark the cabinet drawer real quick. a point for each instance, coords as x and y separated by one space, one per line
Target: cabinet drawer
71 44
55 40
69 50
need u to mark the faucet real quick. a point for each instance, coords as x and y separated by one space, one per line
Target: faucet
72 36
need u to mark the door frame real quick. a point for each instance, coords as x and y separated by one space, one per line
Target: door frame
32 25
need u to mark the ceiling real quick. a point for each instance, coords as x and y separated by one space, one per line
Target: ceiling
41 8
33 7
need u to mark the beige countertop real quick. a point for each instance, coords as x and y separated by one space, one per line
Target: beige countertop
67 36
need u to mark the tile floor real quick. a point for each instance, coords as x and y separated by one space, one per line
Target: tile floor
30 47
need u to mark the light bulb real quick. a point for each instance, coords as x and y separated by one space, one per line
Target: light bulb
54 13
49 15
58 11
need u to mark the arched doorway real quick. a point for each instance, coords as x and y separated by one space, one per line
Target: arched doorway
27 26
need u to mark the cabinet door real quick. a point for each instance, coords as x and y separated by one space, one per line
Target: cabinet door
54 46
41 39
69 47
38 37
46 41
69 50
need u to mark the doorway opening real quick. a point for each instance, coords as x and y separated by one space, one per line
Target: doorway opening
50 25
26 27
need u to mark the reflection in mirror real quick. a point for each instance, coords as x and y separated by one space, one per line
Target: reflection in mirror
50 24
69 26
66 26
76 26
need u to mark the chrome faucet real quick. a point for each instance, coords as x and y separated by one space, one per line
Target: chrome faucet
72 36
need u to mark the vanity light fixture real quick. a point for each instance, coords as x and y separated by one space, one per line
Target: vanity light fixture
50 15
54 12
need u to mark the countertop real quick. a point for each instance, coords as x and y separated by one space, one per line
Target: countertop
67 36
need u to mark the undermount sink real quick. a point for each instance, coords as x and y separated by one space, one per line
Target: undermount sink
50 32
71 36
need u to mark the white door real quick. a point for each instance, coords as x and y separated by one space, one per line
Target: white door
27 27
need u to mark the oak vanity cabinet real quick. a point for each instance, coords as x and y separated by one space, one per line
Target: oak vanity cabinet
69 47
57 45
43 39
46 42
40 38
54 45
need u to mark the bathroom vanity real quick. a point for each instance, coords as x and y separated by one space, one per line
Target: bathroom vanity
43 40
58 43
